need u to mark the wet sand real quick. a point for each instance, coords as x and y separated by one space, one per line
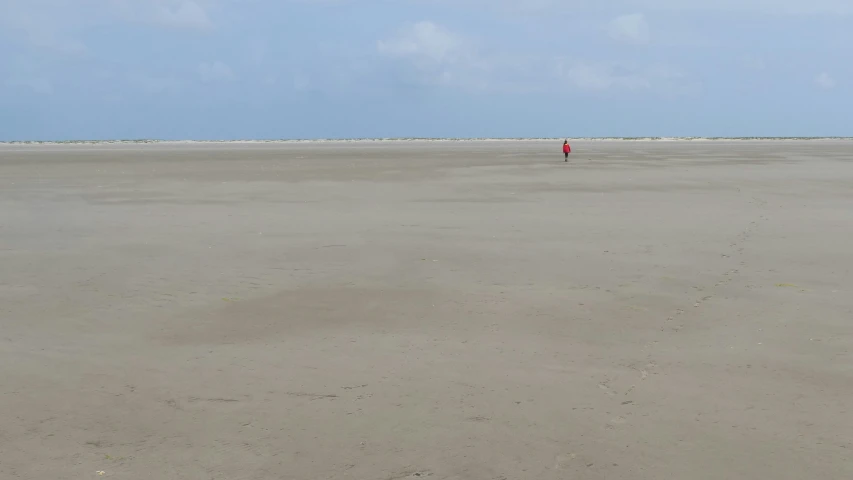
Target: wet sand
472 310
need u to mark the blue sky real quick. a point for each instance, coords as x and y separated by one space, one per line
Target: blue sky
225 69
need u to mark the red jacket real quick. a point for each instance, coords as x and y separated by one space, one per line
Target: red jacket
567 148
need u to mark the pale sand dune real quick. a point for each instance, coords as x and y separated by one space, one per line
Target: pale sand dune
460 311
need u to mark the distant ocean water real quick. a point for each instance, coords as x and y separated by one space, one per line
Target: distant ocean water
373 140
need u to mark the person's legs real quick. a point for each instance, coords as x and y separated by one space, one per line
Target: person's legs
567 155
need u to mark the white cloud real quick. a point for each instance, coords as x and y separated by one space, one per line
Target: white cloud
443 58
439 56
631 28
425 42
58 24
215 72
33 22
825 81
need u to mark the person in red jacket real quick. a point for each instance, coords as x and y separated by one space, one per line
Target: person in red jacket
566 149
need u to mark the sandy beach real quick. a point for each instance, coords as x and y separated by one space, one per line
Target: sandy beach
451 310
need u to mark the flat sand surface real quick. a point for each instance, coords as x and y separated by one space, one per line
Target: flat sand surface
460 310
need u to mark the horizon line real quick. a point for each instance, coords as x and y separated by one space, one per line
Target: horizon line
413 139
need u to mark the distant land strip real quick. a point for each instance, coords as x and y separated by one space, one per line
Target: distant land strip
416 139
